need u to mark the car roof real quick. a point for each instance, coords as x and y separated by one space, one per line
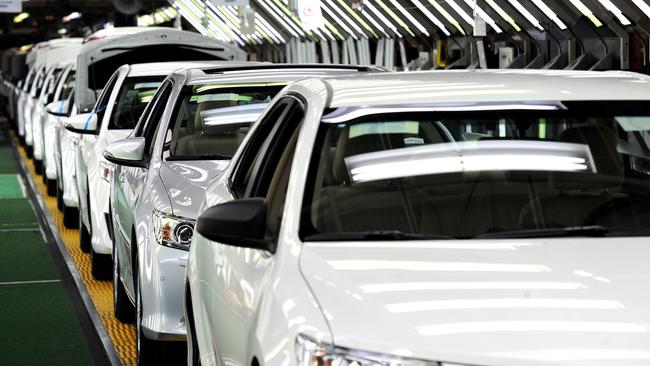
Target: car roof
252 71
476 86
117 31
166 68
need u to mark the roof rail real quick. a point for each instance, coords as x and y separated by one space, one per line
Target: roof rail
359 68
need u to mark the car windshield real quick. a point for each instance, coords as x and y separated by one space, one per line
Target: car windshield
136 92
211 120
486 171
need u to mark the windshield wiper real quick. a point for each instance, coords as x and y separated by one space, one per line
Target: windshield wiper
584 231
199 157
374 235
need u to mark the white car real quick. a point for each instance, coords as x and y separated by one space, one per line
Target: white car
434 218
185 138
59 109
35 64
104 52
114 116
58 59
46 56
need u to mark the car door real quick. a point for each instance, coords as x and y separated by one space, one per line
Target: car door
239 274
131 180
85 147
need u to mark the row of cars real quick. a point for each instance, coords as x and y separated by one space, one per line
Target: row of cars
259 214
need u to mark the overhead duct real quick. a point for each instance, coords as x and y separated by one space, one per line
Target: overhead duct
128 7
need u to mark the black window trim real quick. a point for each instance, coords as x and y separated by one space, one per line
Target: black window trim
288 101
149 134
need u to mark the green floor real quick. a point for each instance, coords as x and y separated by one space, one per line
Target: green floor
37 322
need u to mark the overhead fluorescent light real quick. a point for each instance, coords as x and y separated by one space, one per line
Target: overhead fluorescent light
431 17
279 18
550 14
503 14
616 11
468 19
338 20
381 17
72 16
531 19
375 23
356 16
488 19
344 16
586 12
21 17
397 19
264 24
408 16
643 6
447 16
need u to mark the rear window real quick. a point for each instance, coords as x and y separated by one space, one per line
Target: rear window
552 169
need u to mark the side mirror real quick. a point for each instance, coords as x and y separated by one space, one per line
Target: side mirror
127 152
83 123
58 108
240 223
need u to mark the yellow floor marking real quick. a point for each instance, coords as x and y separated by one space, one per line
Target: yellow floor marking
101 292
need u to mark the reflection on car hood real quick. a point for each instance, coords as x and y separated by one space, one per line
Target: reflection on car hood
489 302
186 182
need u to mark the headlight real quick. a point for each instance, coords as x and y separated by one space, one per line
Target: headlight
173 231
312 353
106 171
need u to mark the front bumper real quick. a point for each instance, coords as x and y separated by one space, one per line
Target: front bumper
162 289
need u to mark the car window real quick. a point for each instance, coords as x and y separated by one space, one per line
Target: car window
50 85
140 127
134 95
211 120
36 82
272 179
68 85
557 168
253 150
275 146
102 102
154 119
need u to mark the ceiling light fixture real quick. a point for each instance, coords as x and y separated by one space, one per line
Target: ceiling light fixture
586 12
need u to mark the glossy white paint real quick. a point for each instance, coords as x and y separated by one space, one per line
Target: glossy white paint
51 130
173 187
66 164
486 302
94 190
125 40
58 58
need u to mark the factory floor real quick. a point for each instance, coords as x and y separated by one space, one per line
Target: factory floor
43 317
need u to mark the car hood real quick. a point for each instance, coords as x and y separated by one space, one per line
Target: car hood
537 302
186 182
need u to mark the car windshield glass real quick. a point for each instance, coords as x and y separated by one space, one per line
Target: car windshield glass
68 85
211 120
51 80
552 169
136 92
